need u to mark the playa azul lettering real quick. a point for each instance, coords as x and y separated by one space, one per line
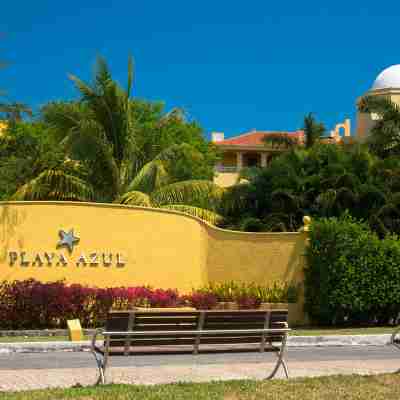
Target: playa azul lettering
60 258
50 259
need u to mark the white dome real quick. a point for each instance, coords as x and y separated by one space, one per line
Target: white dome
388 78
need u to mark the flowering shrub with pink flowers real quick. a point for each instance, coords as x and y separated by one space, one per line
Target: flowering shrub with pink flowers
31 304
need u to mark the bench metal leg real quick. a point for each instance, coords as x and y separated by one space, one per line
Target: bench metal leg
101 367
101 360
279 362
285 368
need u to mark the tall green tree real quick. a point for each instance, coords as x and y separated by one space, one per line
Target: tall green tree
103 139
27 150
313 130
12 112
281 141
326 180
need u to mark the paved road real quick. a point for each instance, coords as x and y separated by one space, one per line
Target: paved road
306 355
28 371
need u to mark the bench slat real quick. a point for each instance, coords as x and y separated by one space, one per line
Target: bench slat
184 328
191 341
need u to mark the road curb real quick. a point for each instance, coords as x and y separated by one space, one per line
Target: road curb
293 341
339 340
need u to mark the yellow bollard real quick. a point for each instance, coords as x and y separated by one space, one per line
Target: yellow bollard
75 330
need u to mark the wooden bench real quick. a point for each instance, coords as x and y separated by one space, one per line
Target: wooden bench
175 332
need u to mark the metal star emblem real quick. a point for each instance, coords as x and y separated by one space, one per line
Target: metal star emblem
67 239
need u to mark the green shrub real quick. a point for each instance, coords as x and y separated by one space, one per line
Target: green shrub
276 292
352 276
252 225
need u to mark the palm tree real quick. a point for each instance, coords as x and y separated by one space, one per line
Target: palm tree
385 134
99 137
281 141
313 130
13 112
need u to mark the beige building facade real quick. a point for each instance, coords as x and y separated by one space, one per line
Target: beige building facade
244 151
387 84
249 149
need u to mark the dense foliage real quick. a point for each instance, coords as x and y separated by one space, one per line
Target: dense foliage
31 304
26 150
323 181
352 276
109 147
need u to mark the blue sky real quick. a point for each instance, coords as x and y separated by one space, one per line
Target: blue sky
233 65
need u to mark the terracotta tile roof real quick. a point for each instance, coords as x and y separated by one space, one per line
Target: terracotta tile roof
255 138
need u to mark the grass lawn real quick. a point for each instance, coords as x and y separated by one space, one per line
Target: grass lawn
295 332
385 387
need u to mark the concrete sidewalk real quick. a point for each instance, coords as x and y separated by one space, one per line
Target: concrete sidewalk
293 341
65 369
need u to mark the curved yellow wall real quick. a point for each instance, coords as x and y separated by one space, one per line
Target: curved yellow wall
255 257
159 248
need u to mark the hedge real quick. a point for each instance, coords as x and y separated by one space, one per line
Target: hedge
31 304
352 276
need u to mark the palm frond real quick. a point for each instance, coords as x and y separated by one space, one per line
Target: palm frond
346 199
348 180
280 141
371 198
234 199
378 105
313 130
87 142
107 102
55 185
199 193
284 201
64 117
325 202
103 76
130 76
206 215
174 152
151 177
85 89
135 198
278 222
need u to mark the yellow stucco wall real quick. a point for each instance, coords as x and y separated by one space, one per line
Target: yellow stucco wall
255 257
160 248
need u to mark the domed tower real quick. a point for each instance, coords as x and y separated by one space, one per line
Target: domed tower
386 84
